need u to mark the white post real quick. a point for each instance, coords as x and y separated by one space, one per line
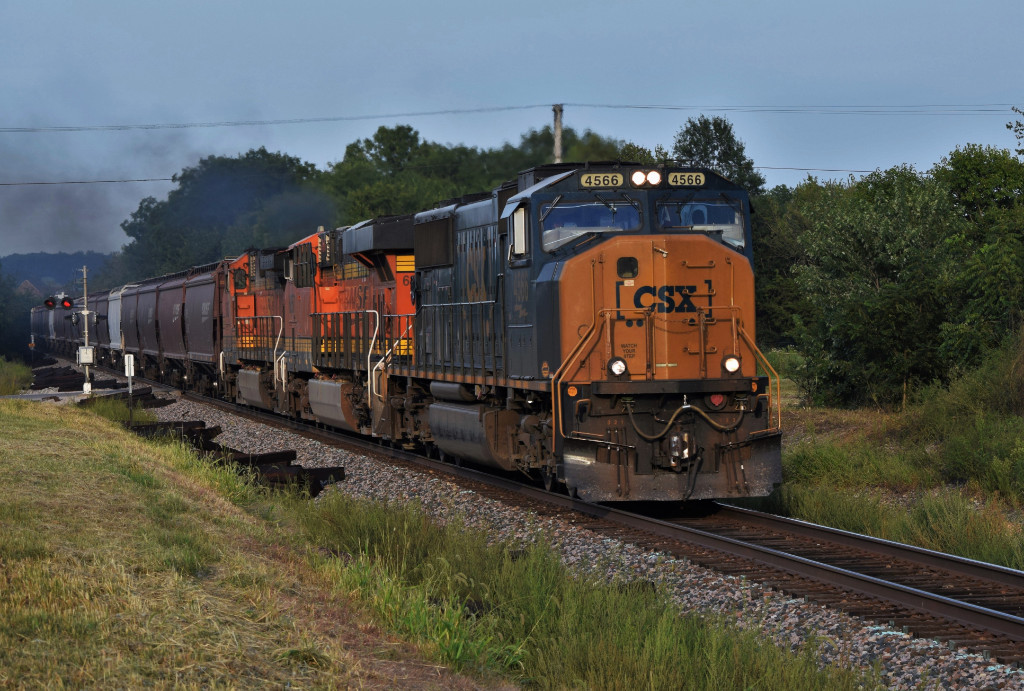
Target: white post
87 387
129 371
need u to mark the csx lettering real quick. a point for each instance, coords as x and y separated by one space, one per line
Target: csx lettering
665 298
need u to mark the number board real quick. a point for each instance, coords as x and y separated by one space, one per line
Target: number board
601 180
686 179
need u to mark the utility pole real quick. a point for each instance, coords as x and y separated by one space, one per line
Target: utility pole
85 353
558 132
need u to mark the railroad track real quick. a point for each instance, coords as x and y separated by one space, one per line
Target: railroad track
965 603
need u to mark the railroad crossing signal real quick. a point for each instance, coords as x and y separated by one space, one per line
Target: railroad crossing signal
65 302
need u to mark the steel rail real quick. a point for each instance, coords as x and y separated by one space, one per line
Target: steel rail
961 566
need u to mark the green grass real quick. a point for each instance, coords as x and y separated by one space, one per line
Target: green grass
787 362
946 520
14 377
129 563
117 410
518 610
120 567
947 474
900 491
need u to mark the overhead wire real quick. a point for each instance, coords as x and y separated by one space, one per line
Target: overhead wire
920 109
81 182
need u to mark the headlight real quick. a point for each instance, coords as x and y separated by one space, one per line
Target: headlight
640 177
731 363
617 367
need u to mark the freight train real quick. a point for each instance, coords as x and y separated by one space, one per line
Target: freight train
590 325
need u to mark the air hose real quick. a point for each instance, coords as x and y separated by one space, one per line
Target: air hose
686 407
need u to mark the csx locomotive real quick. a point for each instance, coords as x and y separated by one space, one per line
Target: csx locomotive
591 325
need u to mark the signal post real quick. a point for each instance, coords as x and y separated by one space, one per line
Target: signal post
86 353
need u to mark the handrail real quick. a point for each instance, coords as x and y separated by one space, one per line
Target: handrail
558 377
389 351
369 351
773 376
280 331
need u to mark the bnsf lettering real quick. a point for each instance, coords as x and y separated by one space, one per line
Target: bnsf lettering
665 298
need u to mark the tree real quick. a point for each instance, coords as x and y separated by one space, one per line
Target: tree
634 153
395 171
711 143
591 146
778 254
1018 129
986 259
15 308
875 285
216 209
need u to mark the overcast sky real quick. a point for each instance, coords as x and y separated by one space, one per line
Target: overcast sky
810 87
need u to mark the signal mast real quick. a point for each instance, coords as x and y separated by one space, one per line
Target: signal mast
86 353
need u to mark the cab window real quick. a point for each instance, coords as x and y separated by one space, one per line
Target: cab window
564 220
717 217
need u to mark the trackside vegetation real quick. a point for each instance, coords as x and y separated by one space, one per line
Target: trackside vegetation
129 563
14 376
947 473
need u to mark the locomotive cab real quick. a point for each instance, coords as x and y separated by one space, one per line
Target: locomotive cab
642 288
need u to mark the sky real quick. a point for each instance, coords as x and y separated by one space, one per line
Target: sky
825 89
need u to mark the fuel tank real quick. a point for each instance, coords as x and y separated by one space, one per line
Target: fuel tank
475 433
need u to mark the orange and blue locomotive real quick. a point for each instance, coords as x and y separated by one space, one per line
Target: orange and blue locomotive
591 325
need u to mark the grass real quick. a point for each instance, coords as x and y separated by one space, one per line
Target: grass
947 474
14 377
122 564
128 563
517 610
117 410
870 475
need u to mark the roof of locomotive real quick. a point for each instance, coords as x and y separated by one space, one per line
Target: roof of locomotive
387 233
530 177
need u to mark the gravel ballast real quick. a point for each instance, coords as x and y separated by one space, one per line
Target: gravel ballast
904 662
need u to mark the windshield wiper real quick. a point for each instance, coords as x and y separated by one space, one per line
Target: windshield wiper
632 202
599 198
551 208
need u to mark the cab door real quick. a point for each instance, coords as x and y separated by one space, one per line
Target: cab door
519 298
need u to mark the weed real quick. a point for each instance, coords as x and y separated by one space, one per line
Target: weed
14 377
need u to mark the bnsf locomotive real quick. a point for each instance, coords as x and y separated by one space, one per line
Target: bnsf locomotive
591 325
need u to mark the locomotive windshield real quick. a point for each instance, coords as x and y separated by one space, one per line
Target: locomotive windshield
562 220
722 217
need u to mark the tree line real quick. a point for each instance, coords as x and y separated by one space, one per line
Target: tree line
885 283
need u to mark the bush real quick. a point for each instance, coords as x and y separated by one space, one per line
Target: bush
14 377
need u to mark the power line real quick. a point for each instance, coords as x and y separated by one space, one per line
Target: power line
922 109
255 123
81 182
816 170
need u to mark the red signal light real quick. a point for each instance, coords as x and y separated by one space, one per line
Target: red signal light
67 303
50 303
